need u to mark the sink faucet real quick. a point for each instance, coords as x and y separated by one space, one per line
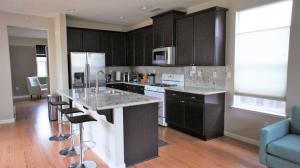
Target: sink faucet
97 76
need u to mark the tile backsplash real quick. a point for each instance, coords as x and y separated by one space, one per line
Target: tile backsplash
197 76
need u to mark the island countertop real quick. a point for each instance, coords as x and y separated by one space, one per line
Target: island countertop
106 98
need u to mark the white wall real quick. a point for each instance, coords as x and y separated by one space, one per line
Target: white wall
34 22
95 25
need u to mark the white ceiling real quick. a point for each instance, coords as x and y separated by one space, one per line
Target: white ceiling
25 32
105 11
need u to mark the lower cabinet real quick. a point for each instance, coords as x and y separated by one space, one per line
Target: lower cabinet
175 112
127 87
197 115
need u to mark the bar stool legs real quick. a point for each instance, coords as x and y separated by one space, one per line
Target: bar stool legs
81 163
72 150
60 136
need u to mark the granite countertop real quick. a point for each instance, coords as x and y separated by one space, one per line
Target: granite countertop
196 90
106 99
130 83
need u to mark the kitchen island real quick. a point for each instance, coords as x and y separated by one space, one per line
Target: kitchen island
126 129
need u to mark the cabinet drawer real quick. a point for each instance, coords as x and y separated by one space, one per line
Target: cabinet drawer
193 97
174 94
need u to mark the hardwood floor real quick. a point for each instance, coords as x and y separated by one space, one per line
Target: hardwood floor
25 144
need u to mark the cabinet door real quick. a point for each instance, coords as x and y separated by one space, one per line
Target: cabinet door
74 39
168 31
130 49
204 35
185 36
107 46
148 45
139 48
157 32
90 40
175 112
119 51
194 117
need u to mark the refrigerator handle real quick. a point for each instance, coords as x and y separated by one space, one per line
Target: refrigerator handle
87 73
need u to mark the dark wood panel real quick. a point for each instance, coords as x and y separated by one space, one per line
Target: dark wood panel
91 40
204 37
74 39
130 49
194 117
175 112
185 41
140 133
107 46
139 47
119 49
148 46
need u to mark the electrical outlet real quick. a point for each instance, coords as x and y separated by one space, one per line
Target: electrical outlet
17 88
191 73
215 74
199 73
228 75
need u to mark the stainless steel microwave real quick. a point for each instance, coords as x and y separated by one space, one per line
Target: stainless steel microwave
163 56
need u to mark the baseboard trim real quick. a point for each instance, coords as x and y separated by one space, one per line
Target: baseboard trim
7 121
21 97
241 138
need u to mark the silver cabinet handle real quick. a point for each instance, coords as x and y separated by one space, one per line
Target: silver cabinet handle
193 97
173 94
181 101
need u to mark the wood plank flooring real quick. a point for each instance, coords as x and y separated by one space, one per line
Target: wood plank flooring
25 144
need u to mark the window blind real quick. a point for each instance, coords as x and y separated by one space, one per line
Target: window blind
261 52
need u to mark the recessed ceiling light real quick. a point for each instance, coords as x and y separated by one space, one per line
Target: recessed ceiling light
69 10
144 7
122 17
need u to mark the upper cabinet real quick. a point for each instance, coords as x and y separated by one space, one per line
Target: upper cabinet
164 29
139 47
90 40
74 39
201 38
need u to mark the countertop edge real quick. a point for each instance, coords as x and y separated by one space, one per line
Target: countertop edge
197 92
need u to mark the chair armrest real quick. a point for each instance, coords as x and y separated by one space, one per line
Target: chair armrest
272 133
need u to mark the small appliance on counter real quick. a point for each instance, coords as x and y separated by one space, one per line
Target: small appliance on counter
134 77
108 78
126 77
151 78
144 79
118 76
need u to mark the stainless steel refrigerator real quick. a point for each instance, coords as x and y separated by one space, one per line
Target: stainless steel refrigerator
84 67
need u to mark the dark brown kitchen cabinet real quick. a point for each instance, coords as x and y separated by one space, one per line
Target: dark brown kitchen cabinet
164 29
90 40
175 112
198 115
127 87
107 47
185 41
119 49
74 39
139 47
148 46
207 47
194 117
130 48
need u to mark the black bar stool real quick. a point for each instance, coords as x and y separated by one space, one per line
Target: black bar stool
72 150
80 120
60 136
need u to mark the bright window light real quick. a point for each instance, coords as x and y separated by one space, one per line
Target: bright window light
261 57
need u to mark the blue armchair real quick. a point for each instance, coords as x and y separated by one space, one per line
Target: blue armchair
280 143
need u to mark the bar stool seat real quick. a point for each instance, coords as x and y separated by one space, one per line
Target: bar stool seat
59 103
72 150
71 111
80 120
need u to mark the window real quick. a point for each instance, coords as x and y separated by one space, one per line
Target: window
261 57
41 61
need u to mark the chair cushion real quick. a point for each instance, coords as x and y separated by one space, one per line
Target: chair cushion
287 148
81 119
295 121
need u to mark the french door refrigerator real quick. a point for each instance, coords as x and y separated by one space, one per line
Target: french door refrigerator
84 67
